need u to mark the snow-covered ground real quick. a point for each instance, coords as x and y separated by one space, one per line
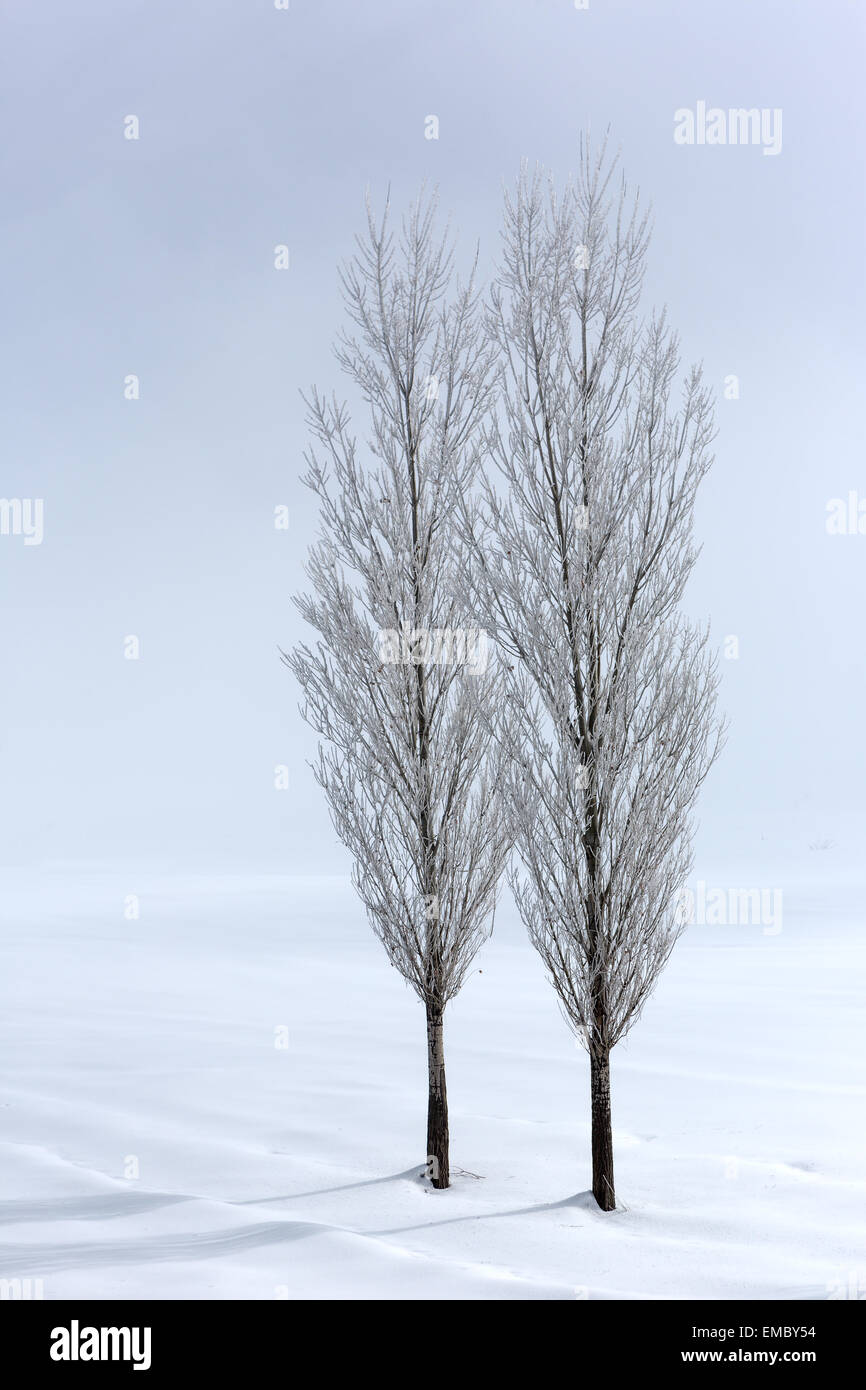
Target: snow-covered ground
245 1048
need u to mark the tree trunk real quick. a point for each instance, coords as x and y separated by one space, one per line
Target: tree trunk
602 1135
437 1103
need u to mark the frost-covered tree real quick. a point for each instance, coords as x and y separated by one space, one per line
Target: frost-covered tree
398 682
584 544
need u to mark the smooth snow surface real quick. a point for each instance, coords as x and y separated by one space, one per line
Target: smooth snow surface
268 1170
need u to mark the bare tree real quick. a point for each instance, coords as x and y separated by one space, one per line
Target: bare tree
398 683
583 551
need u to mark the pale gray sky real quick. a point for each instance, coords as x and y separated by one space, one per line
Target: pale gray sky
155 257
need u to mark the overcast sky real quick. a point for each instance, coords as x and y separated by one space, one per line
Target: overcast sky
155 257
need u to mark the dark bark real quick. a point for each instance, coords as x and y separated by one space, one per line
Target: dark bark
602 1134
437 1103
